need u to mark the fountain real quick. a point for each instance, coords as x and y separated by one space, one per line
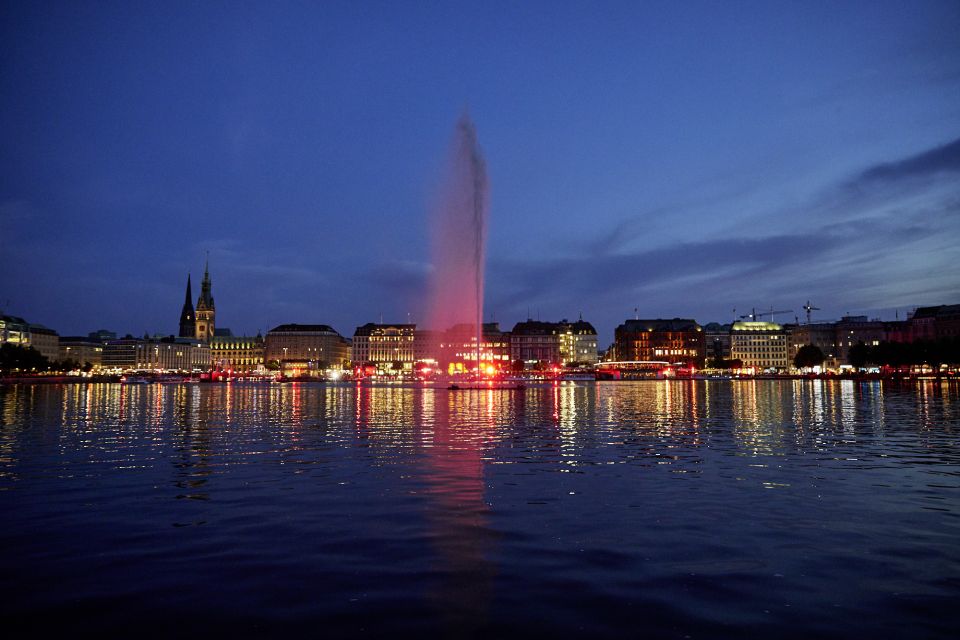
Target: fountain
459 235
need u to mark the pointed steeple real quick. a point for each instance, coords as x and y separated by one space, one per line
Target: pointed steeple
206 313
187 324
206 298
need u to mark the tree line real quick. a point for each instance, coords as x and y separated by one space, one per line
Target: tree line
15 358
897 354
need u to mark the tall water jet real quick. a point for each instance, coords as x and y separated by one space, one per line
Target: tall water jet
459 234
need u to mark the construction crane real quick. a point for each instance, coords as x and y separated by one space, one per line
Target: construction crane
771 313
808 309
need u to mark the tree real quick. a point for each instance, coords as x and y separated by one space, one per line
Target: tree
68 364
809 355
859 355
14 357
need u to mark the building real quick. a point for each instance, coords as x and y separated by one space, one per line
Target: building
102 335
535 344
46 341
383 345
120 354
934 323
17 331
578 343
822 335
301 348
169 354
14 330
852 330
456 349
676 340
206 311
760 345
240 354
717 341
81 350
188 321
426 345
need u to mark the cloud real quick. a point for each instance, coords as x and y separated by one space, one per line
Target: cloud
878 238
632 272
939 160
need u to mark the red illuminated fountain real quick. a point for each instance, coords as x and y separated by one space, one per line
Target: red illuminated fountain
458 242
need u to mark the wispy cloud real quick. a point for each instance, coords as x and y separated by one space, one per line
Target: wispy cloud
933 162
866 241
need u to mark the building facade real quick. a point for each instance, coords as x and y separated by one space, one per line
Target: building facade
169 354
717 340
46 341
676 341
383 345
933 323
240 354
82 350
760 345
852 330
19 332
822 335
306 347
14 330
456 351
535 344
578 343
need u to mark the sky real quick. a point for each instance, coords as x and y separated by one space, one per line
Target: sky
644 158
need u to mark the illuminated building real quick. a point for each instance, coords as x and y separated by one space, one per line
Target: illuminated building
578 342
456 348
206 312
17 331
14 330
677 341
535 343
426 345
760 345
170 354
46 341
81 350
385 344
240 354
303 348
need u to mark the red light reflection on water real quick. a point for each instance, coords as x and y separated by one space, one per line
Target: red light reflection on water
454 429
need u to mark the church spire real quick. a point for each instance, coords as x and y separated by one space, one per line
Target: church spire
206 313
187 324
206 298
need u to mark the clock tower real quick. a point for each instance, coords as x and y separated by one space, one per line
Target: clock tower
206 313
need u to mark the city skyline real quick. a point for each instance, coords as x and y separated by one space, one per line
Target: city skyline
681 162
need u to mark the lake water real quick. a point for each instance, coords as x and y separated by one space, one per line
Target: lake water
664 509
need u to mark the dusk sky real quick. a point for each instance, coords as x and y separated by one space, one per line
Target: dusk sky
684 159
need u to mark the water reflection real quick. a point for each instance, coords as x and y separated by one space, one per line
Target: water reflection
320 495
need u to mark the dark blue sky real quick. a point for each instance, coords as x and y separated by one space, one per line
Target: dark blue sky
681 158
